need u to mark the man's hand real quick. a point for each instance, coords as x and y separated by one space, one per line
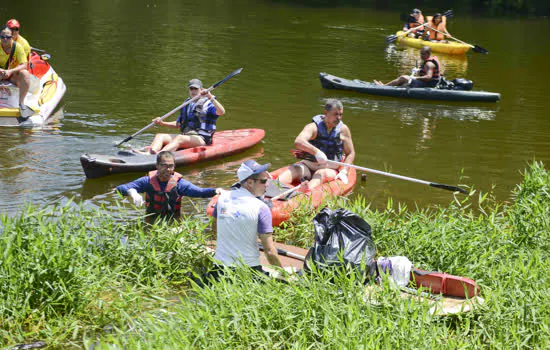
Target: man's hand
343 176
321 157
4 74
220 190
136 197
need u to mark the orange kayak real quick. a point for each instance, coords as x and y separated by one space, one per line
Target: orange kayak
282 209
225 143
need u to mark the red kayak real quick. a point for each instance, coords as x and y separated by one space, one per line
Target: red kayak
225 143
283 208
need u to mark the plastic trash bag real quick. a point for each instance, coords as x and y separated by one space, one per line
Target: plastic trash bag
342 239
398 267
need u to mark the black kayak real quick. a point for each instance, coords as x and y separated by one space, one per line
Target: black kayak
329 81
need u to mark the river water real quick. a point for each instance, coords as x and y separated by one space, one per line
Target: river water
125 62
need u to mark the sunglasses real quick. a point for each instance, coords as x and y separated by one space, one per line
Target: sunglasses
262 181
5 36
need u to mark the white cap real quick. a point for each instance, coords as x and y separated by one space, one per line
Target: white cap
249 168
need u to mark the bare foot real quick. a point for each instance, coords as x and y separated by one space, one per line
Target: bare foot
378 82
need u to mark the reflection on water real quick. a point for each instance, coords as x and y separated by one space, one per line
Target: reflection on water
405 57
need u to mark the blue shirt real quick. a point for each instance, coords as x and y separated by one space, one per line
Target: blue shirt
185 188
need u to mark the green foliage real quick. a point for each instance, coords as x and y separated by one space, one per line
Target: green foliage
80 278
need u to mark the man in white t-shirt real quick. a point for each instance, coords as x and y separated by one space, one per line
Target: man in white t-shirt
241 218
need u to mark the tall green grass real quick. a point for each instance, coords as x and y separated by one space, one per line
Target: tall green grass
82 278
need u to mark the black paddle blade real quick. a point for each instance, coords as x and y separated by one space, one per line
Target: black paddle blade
448 13
391 39
227 78
303 155
449 187
479 49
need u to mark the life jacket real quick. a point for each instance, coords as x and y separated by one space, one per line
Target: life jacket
194 116
420 22
330 144
165 203
441 27
436 73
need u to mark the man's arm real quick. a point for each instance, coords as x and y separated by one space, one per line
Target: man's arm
270 250
140 185
429 72
302 140
186 188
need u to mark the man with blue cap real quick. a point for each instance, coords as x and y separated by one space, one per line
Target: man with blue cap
242 217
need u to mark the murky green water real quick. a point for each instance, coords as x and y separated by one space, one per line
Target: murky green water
125 62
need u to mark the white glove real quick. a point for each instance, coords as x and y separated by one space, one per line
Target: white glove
220 190
136 197
321 157
342 175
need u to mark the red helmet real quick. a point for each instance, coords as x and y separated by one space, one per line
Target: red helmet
13 23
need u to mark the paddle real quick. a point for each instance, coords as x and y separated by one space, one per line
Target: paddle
284 252
38 50
407 17
179 107
304 155
475 48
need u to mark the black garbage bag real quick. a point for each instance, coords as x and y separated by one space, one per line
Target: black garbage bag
342 240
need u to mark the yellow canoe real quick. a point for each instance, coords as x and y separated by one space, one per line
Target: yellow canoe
452 48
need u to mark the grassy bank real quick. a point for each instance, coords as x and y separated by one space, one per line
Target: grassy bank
74 277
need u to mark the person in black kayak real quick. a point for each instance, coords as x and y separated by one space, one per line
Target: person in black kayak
164 189
429 73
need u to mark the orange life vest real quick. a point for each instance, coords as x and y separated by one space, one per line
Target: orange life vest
161 203
435 73
417 24
441 27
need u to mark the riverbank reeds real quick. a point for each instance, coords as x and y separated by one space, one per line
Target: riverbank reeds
74 277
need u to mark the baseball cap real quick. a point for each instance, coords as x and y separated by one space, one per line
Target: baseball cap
249 168
196 83
416 11
13 23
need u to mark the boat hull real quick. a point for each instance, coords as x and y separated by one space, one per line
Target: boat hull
282 210
452 48
329 81
47 90
225 143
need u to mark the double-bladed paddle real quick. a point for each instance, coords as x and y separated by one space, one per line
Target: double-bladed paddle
475 48
304 155
406 18
179 107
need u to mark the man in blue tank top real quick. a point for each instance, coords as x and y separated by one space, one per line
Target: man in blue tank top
197 122
327 138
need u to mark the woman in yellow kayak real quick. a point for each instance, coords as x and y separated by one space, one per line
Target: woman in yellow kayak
436 27
415 24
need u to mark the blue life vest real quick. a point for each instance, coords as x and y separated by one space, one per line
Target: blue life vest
331 145
195 116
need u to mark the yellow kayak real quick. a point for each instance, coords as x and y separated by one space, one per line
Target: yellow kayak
452 48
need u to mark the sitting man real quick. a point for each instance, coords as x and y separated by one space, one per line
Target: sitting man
429 72
197 122
13 67
241 218
163 189
14 25
416 21
328 139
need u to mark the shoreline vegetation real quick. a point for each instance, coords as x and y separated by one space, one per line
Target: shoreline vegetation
484 8
72 277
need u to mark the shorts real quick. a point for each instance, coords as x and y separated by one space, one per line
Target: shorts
207 138
415 83
314 166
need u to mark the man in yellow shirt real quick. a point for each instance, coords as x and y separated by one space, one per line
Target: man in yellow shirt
13 67
14 25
